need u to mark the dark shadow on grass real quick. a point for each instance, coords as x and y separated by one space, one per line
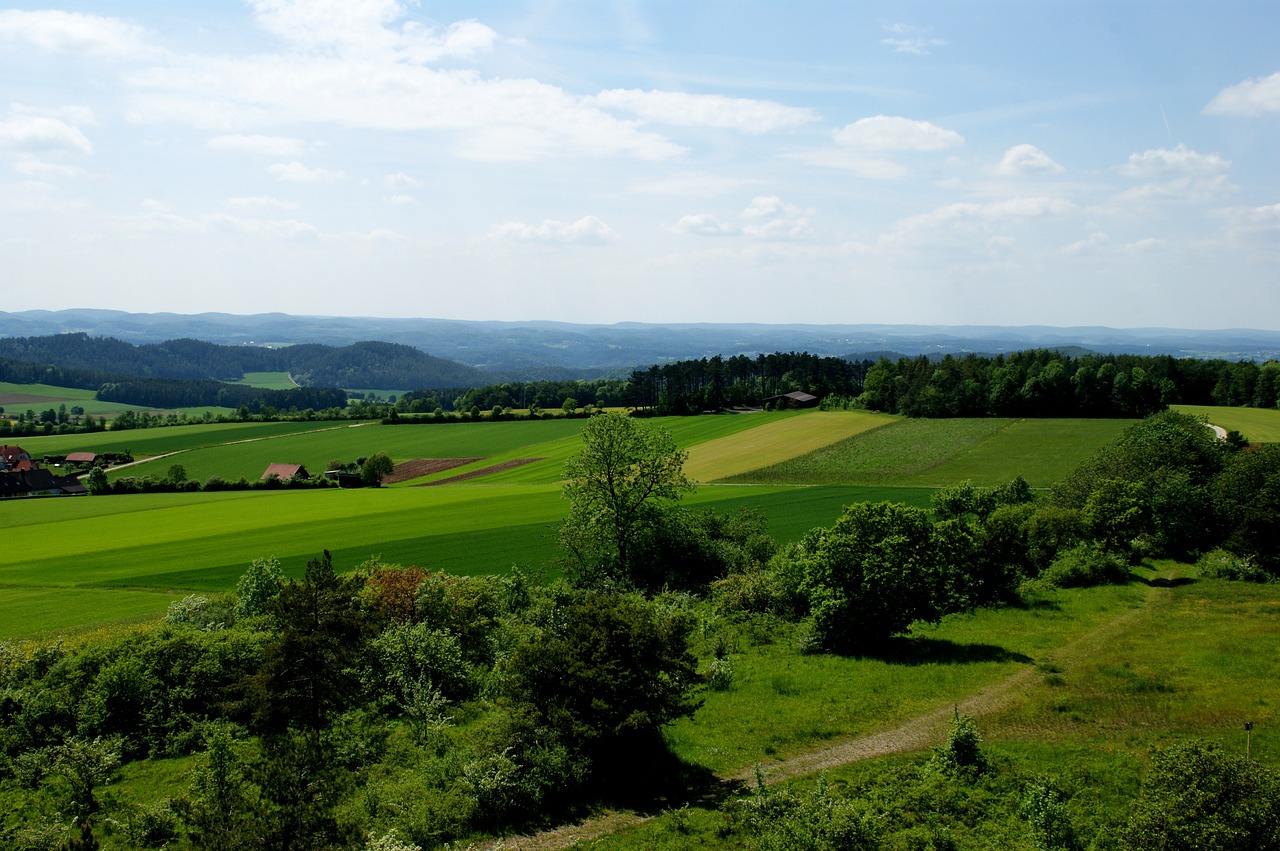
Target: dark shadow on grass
1176 582
1034 605
905 650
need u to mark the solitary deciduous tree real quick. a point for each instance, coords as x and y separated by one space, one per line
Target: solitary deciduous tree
627 474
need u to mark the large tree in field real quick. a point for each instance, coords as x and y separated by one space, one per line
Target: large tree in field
619 487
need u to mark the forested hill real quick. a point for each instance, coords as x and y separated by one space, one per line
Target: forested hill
364 365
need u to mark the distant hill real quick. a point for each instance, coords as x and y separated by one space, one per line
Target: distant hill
559 350
363 365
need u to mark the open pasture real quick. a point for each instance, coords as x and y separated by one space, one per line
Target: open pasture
935 453
268 380
15 398
145 549
1259 425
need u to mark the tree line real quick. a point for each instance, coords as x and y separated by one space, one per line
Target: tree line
358 365
1045 383
715 383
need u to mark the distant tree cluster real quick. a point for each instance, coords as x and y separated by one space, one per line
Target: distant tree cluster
1044 383
192 393
715 383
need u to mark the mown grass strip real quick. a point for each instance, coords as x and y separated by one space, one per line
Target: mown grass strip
774 440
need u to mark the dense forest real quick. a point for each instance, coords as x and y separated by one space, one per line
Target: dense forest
361 365
1035 383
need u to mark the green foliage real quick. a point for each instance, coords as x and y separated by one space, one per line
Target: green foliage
376 468
1247 493
1196 796
608 672
1220 564
257 587
780 820
1116 512
1084 565
962 751
1045 809
223 811
618 487
308 672
871 575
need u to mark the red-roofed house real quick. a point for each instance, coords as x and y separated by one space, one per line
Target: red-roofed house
82 457
285 472
10 456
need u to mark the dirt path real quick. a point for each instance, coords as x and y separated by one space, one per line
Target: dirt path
916 734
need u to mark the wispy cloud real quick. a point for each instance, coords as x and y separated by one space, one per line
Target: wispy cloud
680 109
766 217
586 230
35 133
296 172
73 32
905 38
274 146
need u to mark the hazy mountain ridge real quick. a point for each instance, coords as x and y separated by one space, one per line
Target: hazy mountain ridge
537 349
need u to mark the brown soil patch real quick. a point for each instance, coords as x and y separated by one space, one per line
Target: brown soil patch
24 399
419 467
483 471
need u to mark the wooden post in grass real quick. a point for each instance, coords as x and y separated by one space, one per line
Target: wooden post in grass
1248 738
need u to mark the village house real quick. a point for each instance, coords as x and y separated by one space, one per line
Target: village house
11 457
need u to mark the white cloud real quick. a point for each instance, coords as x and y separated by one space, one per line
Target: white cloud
1251 97
586 230
1176 161
42 133
1259 226
400 180
367 27
1009 210
400 199
690 110
691 183
30 167
895 133
878 168
274 146
766 217
296 172
703 224
1026 159
72 32
260 201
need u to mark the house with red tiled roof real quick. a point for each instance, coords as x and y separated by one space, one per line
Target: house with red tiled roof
11 456
285 472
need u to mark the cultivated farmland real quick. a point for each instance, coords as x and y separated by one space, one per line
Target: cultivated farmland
129 556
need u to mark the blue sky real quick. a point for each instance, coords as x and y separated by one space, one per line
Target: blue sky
1003 163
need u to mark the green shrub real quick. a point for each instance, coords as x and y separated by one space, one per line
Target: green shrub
1045 808
1220 564
1196 796
1083 566
962 752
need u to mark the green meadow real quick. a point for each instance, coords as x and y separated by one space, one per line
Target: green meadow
15 398
128 556
268 380
1260 425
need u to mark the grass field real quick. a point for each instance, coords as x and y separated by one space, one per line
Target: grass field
934 453
268 380
1260 425
15 398
144 549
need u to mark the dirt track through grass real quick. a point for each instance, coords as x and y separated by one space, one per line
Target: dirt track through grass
923 731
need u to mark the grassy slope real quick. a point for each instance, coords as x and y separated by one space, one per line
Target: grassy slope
268 380
1259 425
1115 672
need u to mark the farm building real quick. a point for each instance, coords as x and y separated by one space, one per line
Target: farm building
794 399
32 482
12 456
86 458
286 472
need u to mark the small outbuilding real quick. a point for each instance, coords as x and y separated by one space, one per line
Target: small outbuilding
286 472
794 399
12 456
85 458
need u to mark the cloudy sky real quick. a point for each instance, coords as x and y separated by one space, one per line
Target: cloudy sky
1059 163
